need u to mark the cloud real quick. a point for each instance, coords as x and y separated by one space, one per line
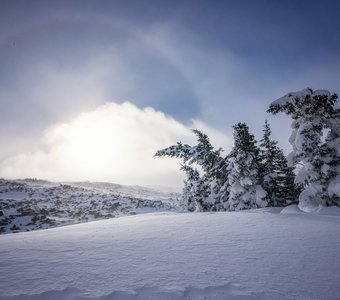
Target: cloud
163 65
115 143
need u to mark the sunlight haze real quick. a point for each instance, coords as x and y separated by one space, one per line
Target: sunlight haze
91 90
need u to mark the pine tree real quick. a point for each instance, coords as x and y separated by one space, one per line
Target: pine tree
268 174
276 177
220 184
179 150
313 112
201 191
287 192
192 196
205 156
330 151
243 172
214 168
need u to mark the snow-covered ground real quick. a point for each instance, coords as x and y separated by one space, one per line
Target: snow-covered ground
37 204
257 254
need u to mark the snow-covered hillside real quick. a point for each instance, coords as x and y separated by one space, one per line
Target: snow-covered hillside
37 204
256 254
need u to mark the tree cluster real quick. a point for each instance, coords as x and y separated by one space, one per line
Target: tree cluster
250 176
255 175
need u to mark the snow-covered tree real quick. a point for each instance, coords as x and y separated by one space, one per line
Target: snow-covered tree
243 172
268 174
313 114
214 168
202 188
195 190
331 151
276 177
287 191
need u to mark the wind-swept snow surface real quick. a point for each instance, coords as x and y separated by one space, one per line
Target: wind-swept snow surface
259 254
32 204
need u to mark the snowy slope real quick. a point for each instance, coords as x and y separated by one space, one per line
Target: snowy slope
258 254
37 204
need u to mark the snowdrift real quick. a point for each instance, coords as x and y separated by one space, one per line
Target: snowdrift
227 255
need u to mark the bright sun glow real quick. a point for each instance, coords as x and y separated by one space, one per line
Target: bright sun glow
115 142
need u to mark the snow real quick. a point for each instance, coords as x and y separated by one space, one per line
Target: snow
34 204
291 209
291 96
334 187
260 195
226 255
335 144
321 93
320 210
300 94
313 115
309 199
328 211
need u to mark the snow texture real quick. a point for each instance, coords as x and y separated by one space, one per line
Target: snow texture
36 204
300 94
314 115
255 254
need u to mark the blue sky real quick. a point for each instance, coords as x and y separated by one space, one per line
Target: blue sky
217 62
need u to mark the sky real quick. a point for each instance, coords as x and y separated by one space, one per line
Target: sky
90 90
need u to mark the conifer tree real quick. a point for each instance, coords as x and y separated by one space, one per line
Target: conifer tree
276 177
313 112
287 192
243 172
192 195
214 168
330 151
201 189
268 174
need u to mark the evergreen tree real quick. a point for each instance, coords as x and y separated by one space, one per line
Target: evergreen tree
313 112
243 172
179 150
268 174
286 191
214 168
203 190
330 150
205 156
220 184
276 177
192 196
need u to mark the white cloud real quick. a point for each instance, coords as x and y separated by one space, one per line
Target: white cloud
115 142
